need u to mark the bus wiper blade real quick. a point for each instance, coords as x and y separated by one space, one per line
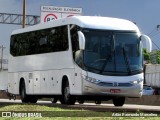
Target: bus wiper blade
110 55
126 61
105 63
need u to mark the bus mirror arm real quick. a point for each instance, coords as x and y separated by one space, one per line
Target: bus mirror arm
146 39
81 40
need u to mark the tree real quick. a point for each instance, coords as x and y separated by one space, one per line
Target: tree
158 56
146 55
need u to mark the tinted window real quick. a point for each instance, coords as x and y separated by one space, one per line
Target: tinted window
77 53
41 41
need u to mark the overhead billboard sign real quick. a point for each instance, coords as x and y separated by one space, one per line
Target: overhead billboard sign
50 13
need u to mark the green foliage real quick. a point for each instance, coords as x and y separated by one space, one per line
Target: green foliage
146 55
154 57
158 56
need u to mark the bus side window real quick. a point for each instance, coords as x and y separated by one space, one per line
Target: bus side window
13 46
77 53
74 39
43 41
57 39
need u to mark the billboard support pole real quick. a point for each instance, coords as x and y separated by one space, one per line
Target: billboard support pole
24 14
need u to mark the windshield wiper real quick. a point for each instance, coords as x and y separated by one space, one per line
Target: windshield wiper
105 63
110 55
126 61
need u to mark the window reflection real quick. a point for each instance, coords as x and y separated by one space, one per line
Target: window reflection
41 41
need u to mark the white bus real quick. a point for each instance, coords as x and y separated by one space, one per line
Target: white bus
77 58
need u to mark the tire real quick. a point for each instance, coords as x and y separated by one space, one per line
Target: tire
66 97
24 97
98 102
33 99
14 97
81 101
62 100
118 101
54 100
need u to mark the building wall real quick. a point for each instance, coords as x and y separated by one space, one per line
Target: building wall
3 79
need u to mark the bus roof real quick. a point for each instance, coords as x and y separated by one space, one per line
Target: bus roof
93 22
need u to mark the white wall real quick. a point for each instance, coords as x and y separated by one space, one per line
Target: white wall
152 75
3 79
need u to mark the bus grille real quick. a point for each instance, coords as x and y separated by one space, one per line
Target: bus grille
105 84
115 84
125 84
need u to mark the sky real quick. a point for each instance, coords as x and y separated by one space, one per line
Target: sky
145 13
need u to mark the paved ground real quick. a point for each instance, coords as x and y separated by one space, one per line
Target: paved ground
92 106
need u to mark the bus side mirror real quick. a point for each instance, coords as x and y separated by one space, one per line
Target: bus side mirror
81 40
145 39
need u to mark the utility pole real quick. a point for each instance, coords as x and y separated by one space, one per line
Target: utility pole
24 13
158 26
1 47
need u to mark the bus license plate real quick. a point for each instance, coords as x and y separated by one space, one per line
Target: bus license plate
115 90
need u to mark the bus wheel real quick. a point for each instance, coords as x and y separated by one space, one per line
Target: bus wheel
118 101
68 99
24 97
54 100
80 101
97 102
33 99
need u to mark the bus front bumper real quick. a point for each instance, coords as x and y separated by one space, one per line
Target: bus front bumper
123 91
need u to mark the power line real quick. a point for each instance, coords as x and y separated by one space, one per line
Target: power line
155 45
154 30
154 33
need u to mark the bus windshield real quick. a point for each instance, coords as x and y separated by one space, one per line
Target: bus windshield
112 52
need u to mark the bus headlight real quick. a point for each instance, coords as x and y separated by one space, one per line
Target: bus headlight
135 82
89 79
